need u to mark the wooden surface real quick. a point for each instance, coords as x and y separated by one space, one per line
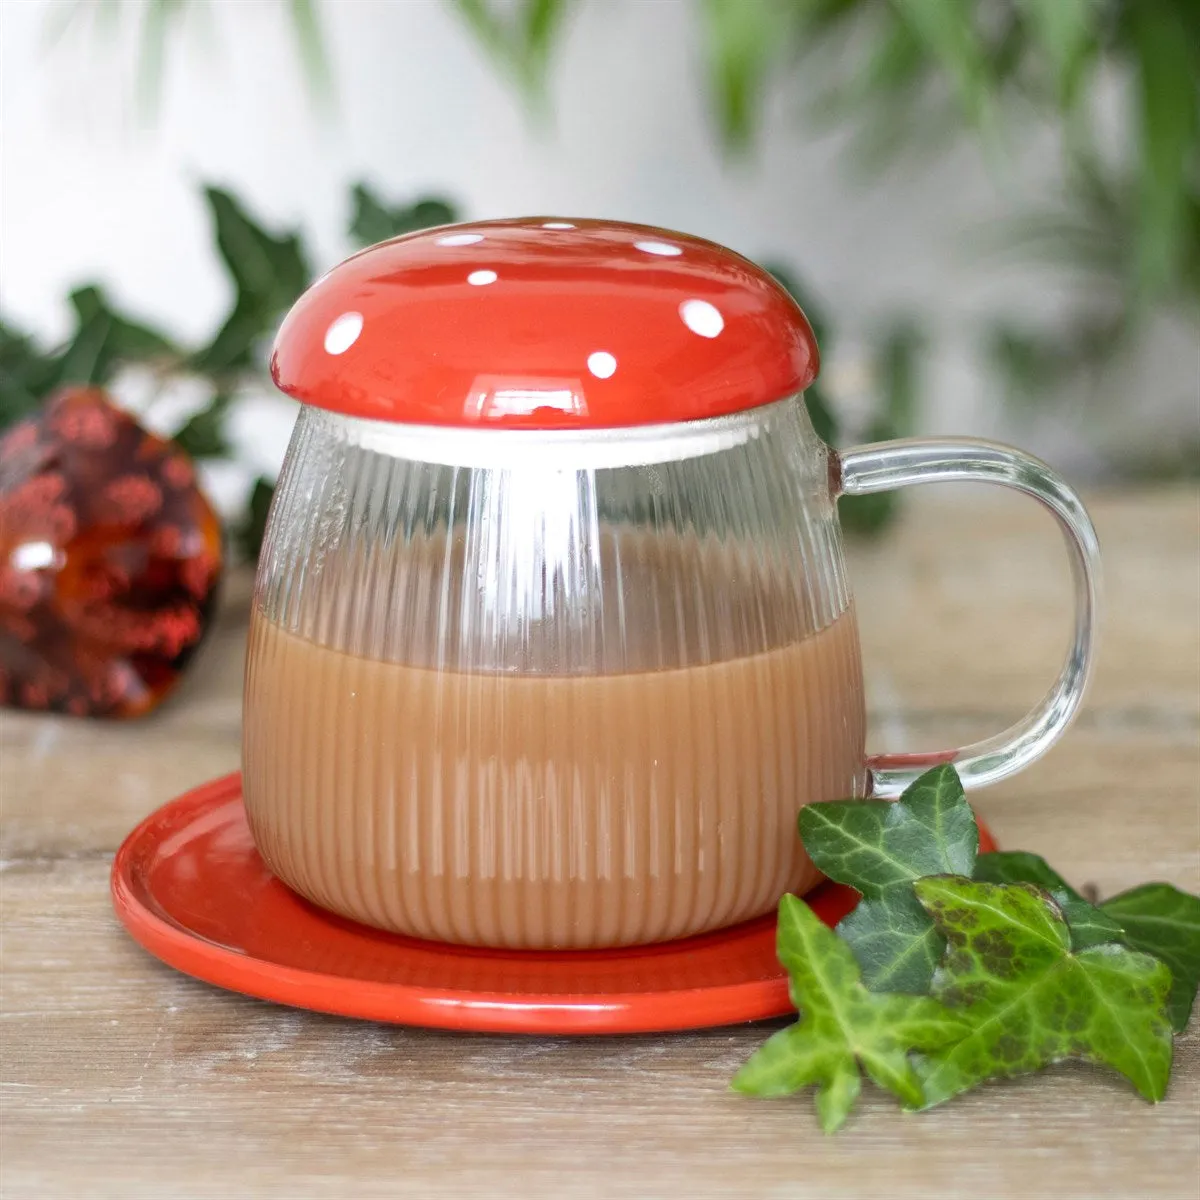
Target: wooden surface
122 1078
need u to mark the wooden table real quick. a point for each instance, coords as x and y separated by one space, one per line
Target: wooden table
123 1078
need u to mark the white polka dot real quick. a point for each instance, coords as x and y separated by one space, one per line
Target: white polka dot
702 318
663 249
557 225
482 278
343 333
460 239
602 364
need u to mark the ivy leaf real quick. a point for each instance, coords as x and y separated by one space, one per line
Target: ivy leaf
1089 925
105 340
27 375
879 847
1009 971
203 435
842 1027
373 221
873 844
250 531
268 273
1161 920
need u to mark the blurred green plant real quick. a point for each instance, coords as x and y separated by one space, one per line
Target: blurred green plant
907 76
894 374
911 75
267 271
155 21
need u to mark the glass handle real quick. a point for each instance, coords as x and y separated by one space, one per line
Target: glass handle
887 465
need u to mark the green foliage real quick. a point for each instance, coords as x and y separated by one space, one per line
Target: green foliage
267 271
842 1027
103 340
372 220
519 35
1167 62
880 848
898 358
203 434
820 411
743 39
250 531
1030 1001
1161 920
1156 918
905 75
1089 926
897 368
156 22
1033 971
26 374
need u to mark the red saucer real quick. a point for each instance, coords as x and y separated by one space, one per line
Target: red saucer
189 885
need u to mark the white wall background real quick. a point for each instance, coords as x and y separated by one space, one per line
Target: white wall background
89 190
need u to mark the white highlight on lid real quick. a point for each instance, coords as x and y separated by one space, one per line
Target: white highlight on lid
482 278
663 249
557 225
702 318
460 239
602 364
343 333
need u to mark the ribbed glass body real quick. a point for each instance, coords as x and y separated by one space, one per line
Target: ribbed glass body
538 690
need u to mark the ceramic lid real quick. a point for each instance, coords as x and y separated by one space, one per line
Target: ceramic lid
544 323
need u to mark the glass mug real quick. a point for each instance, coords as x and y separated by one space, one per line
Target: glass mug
552 636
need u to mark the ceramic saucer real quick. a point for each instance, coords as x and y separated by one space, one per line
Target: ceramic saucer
190 886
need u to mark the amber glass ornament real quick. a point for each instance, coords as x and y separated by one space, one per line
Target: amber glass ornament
110 557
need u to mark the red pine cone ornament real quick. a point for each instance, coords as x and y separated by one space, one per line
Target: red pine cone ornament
110 557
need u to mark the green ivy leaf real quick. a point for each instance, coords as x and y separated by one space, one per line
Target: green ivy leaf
1089 925
871 845
1009 971
27 375
268 273
373 221
842 1027
879 848
250 532
1161 920
203 435
105 340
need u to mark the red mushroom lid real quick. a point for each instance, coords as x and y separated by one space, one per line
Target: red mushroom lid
544 324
